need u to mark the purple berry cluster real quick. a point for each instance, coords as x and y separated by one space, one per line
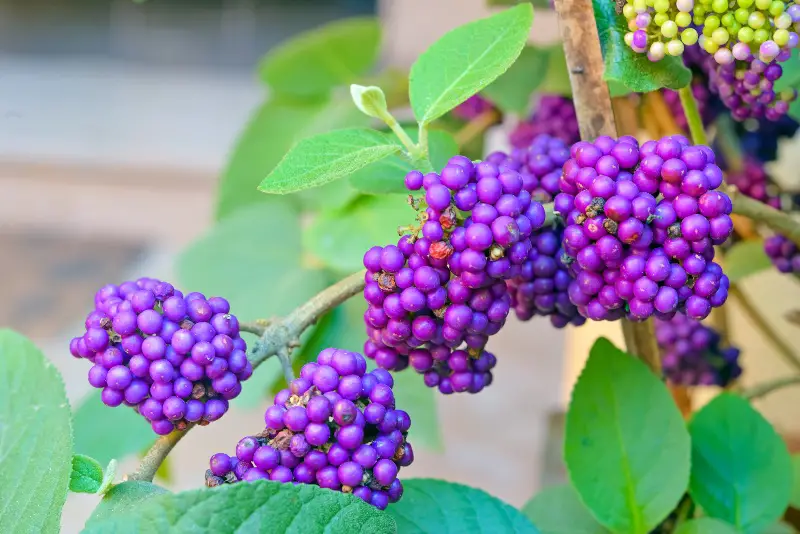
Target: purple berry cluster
336 427
539 163
692 356
753 181
541 287
784 254
443 285
473 107
555 116
175 359
635 255
746 87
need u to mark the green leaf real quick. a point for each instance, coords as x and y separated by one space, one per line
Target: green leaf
326 157
123 498
795 498
35 438
253 258
741 470
706 525
386 176
439 507
794 109
419 401
86 475
559 510
262 506
340 238
627 67
626 447
272 130
465 60
745 258
106 433
108 477
314 62
512 91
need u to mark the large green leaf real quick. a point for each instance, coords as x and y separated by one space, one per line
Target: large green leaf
626 447
745 258
465 60
386 176
432 506
340 238
556 80
124 499
316 61
86 475
35 438
706 525
323 158
253 258
741 470
106 433
258 507
795 499
512 91
272 130
627 67
559 510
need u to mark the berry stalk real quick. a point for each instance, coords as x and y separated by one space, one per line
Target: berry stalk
156 455
693 118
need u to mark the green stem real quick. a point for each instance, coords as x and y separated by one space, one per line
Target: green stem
761 390
421 152
156 455
693 118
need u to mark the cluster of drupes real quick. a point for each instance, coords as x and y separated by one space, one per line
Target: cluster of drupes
176 359
741 46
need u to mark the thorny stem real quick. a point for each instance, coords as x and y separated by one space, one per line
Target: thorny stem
595 118
693 118
476 127
784 350
761 390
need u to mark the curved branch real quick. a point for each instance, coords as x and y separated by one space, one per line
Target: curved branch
156 455
761 390
764 327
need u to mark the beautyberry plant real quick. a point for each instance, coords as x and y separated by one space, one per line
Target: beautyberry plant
567 218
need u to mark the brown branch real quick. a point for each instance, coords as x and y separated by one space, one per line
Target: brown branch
595 118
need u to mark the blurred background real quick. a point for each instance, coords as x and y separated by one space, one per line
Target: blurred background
116 121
